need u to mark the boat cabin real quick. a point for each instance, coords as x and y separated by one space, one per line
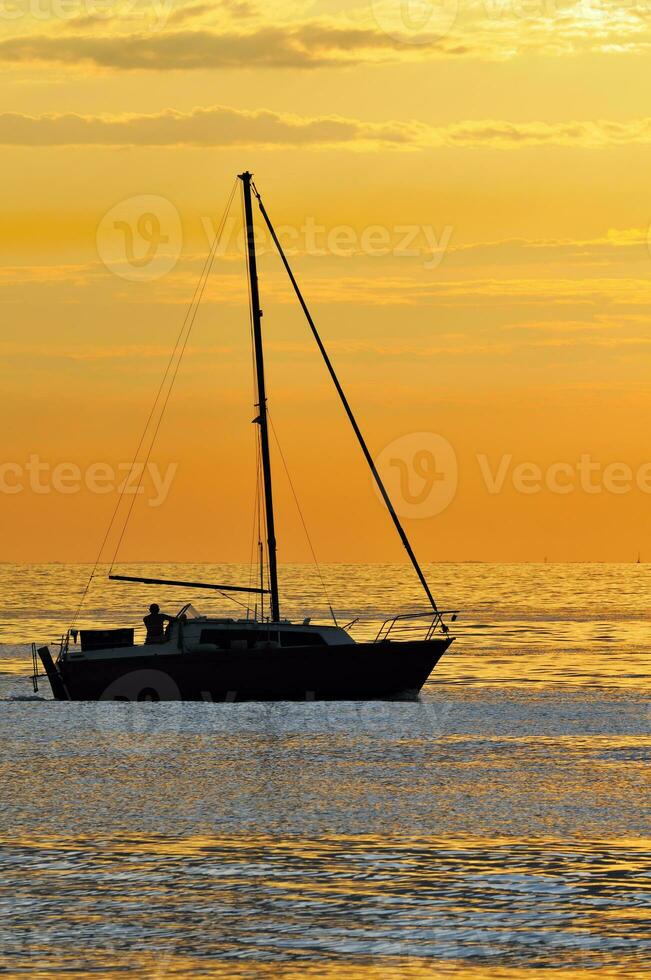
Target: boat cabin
191 632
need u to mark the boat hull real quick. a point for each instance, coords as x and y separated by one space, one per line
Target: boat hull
351 672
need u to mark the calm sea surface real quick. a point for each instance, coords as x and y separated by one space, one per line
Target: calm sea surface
498 828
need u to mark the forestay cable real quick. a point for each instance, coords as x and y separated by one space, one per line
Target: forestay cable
346 405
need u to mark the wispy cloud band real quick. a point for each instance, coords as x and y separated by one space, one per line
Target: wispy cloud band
310 45
219 126
236 35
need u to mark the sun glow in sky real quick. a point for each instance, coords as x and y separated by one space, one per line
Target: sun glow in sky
463 190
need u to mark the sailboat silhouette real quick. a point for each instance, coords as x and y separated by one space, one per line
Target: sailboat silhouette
264 657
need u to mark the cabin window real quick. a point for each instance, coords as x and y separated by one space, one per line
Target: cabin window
296 639
223 638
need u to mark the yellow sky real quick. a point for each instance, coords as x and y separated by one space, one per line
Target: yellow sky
464 190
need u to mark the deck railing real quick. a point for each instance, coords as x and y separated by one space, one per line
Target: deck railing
415 626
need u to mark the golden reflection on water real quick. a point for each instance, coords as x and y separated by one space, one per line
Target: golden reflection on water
151 967
237 845
263 906
520 625
501 824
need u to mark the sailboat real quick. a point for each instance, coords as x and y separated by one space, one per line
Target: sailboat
262 657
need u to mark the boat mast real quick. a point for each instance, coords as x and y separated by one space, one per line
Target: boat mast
262 420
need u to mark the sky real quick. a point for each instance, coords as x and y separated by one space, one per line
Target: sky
462 188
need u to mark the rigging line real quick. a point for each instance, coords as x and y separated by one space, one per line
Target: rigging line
261 498
252 564
262 398
250 308
190 319
255 501
349 412
224 595
263 559
146 427
256 529
300 514
255 563
239 602
262 526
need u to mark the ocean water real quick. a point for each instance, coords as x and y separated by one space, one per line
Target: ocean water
497 828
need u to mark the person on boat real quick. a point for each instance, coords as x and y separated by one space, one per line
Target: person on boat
155 623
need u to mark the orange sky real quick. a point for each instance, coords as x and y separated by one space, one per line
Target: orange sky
465 191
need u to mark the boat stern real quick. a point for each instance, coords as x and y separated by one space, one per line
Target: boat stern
59 690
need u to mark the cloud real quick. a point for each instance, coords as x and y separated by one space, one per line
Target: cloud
237 34
214 126
310 45
223 126
197 11
592 133
70 274
193 11
616 247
